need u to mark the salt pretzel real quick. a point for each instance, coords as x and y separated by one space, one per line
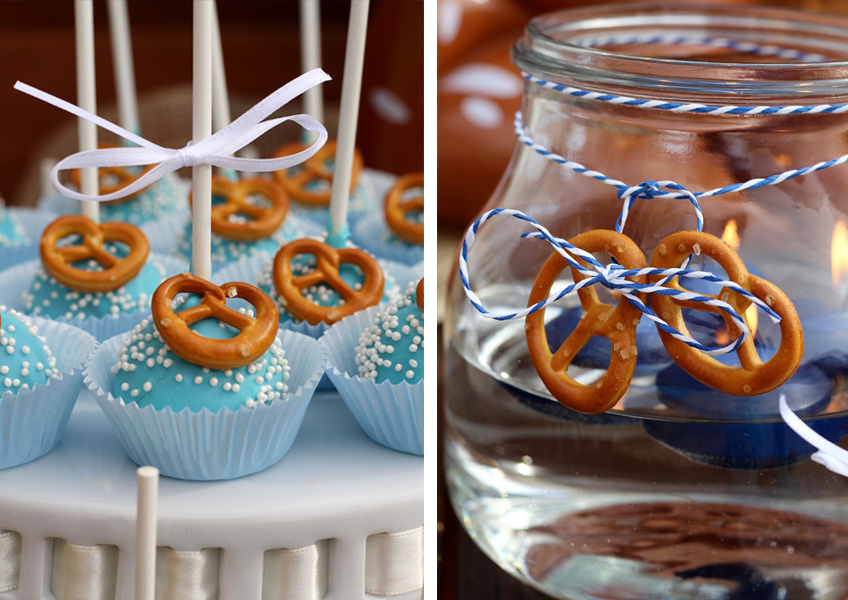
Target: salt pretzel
255 334
419 295
328 261
754 376
263 220
296 180
112 179
617 323
117 271
396 209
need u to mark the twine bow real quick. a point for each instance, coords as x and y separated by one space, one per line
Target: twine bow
216 150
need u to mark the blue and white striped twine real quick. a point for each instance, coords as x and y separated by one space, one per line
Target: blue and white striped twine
615 276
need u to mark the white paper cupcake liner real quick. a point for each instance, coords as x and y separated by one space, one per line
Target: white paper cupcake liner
390 414
32 421
373 234
16 280
205 445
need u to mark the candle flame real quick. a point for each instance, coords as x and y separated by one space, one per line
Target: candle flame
731 234
839 252
752 318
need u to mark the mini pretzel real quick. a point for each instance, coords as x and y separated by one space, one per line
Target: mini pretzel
617 323
255 334
295 181
58 261
753 377
290 287
123 176
397 209
419 295
264 220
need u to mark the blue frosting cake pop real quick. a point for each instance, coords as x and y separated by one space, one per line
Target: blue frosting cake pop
166 197
11 231
25 359
75 246
392 348
321 293
48 298
249 217
149 373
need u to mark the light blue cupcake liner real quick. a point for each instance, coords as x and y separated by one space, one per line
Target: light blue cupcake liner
205 445
32 421
372 234
165 236
16 280
33 222
390 414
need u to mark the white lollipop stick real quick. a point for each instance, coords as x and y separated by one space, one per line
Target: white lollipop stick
122 59
351 88
310 57
145 533
220 99
86 99
201 179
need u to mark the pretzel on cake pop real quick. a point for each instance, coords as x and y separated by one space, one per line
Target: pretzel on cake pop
256 334
616 323
753 376
263 221
328 262
396 208
296 180
58 261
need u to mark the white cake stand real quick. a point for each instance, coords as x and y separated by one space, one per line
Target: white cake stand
334 484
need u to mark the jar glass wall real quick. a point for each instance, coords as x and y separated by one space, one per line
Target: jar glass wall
679 490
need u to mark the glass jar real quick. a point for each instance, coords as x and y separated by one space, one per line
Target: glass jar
678 491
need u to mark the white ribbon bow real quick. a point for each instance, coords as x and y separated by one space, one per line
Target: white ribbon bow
216 150
829 454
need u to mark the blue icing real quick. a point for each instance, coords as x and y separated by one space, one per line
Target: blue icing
49 298
392 347
323 295
226 251
362 202
11 231
25 359
149 373
168 196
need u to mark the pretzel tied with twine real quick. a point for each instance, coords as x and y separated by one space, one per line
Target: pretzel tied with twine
112 178
296 181
263 220
616 323
329 260
396 208
117 271
255 334
754 376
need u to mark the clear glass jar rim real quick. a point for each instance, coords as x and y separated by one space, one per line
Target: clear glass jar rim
550 49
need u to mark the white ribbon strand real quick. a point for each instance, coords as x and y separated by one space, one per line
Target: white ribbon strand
829 454
216 150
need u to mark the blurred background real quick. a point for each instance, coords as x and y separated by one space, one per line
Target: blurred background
479 90
261 46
